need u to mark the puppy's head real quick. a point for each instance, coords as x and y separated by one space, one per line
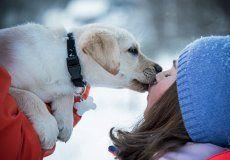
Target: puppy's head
111 57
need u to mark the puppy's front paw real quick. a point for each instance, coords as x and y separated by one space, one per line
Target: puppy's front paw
65 126
47 130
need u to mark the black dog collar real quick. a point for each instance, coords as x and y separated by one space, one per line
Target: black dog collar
73 64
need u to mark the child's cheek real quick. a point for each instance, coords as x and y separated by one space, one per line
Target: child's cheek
155 92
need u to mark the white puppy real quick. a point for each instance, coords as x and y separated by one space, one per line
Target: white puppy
35 57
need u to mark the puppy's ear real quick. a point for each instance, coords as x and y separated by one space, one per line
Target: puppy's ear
103 48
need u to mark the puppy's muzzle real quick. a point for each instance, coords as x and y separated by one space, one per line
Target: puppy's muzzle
150 73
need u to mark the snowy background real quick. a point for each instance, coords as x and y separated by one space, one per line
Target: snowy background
163 27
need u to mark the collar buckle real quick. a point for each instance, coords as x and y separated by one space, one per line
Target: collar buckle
73 64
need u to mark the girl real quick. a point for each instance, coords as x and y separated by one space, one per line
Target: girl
190 103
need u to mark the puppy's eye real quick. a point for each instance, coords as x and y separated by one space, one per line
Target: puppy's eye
167 75
133 51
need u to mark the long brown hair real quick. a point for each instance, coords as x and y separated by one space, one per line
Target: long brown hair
160 131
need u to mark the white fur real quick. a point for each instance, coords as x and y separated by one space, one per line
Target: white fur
35 56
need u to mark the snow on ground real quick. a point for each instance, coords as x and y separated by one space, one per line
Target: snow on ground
90 138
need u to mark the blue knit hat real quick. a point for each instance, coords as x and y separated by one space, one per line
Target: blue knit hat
203 83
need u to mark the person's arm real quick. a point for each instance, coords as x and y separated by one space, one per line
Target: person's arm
18 138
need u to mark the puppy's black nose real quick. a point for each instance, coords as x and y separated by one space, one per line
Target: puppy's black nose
157 68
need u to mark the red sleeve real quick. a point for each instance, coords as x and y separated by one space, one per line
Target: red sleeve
18 139
221 156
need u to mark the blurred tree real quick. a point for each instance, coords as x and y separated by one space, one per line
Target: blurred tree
167 25
183 20
13 12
